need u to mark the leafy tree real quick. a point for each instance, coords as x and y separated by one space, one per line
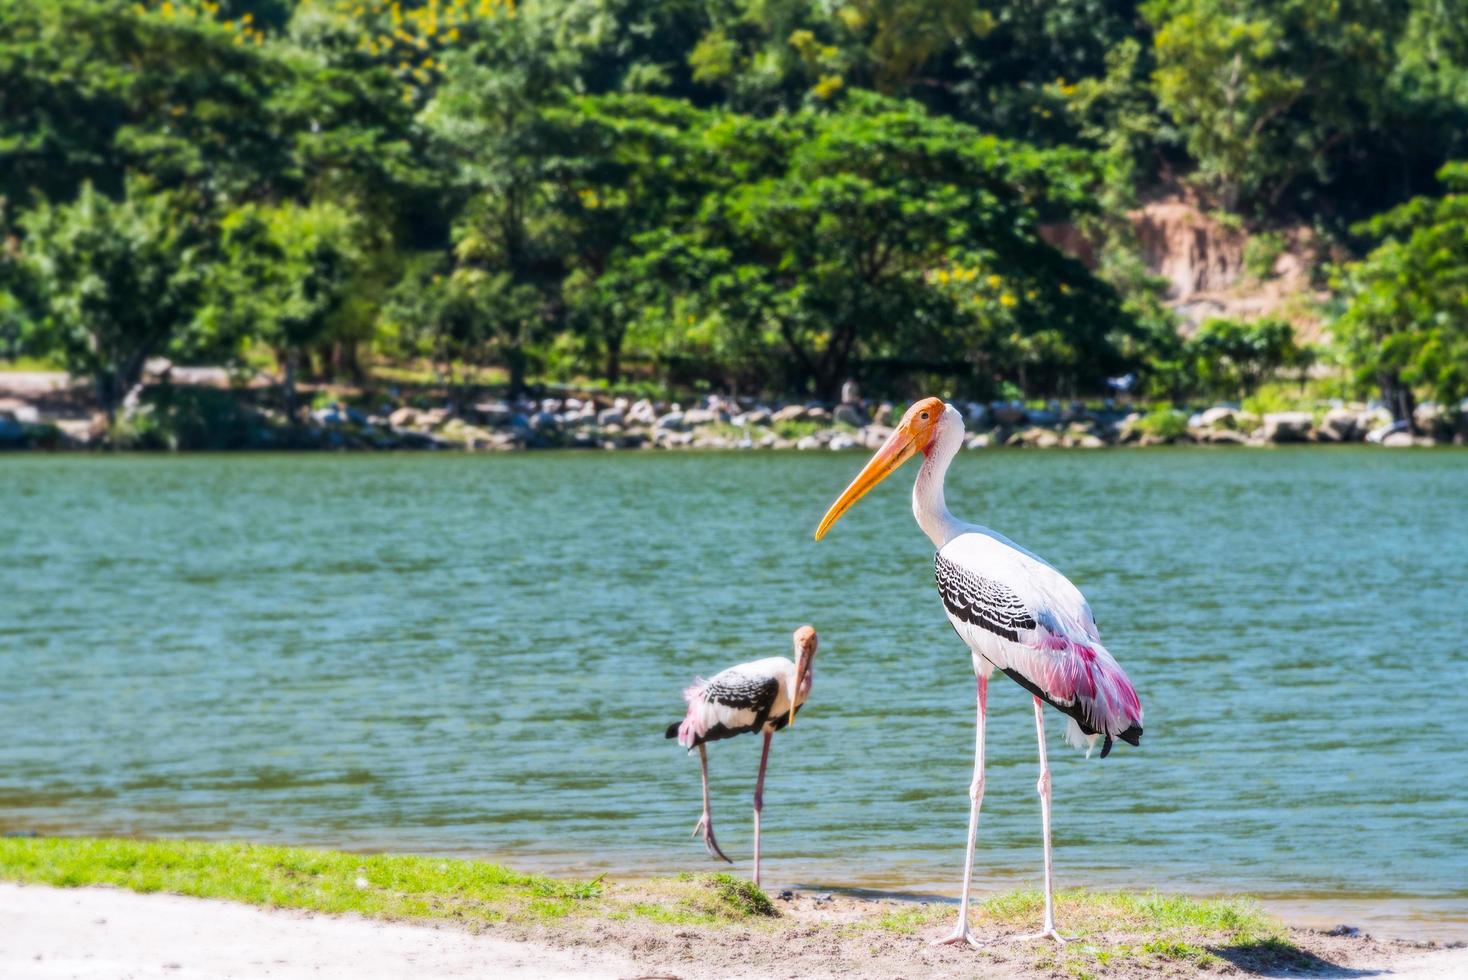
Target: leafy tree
837 237
489 119
1232 356
91 90
1267 92
111 284
1405 326
627 168
284 272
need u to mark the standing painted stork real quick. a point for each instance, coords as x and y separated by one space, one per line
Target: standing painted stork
1015 611
760 696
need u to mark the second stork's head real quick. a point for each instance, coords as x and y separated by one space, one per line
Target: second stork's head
926 426
805 655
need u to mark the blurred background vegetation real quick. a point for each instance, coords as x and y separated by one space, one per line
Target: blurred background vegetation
747 196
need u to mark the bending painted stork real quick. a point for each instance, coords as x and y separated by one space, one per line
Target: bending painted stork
760 696
1016 612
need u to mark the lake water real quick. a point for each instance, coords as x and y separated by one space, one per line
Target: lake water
478 655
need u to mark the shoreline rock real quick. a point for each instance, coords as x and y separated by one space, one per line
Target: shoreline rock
174 417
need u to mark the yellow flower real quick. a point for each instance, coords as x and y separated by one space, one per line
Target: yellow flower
1007 300
994 282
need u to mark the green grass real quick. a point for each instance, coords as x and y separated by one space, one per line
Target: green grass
30 364
391 886
1117 932
381 885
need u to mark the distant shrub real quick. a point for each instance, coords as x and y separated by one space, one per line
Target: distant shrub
172 418
1164 422
1261 251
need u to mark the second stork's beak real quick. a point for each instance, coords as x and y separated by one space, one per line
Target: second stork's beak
898 449
805 652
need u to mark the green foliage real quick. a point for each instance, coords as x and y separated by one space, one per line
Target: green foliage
284 272
1231 357
1405 326
752 195
880 233
1261 251
111 284
723 896
174 418
1164 422
1263 92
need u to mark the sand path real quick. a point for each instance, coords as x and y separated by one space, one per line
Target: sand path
105 934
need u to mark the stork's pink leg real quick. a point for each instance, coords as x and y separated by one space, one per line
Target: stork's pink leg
961 932
705 823
759 799
1043 788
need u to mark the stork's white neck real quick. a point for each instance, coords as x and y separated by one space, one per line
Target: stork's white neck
928 505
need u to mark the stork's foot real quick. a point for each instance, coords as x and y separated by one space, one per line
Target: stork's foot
1045 934
959 937
705 826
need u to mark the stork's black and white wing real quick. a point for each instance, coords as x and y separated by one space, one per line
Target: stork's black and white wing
1017 613
738 700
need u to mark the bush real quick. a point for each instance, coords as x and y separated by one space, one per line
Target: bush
1164 422
1261 252
174 418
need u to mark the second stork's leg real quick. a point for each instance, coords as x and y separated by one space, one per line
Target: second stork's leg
705 823
759 799
1043 788
961 932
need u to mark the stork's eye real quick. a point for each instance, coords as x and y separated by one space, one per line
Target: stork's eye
924 415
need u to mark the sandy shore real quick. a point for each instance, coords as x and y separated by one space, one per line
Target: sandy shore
105 934
95 933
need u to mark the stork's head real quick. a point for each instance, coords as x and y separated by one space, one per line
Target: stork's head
916 433
805 654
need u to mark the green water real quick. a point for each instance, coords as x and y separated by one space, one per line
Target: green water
479 655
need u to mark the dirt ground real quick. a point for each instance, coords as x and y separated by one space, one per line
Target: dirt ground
96 933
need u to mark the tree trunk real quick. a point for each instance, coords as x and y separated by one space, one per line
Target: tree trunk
288 385
515 361
614 357
1398 398
107 386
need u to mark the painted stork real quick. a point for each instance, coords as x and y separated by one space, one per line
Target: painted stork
1016 612
760 696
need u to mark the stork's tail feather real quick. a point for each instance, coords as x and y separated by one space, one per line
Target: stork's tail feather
1080 740
672 731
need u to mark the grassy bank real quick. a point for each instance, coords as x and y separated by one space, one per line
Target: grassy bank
1118 933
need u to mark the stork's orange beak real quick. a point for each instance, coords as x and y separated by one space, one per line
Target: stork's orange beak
900 446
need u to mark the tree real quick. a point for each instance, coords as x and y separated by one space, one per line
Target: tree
880 233
284 272
1265 92
111 284
92 90
489 120
627 167
1405 326
1233 356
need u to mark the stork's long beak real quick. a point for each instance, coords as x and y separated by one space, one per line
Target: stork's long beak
802 667
898 449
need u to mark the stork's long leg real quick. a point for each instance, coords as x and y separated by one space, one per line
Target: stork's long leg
759 799
961 933
705 823
1043 788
